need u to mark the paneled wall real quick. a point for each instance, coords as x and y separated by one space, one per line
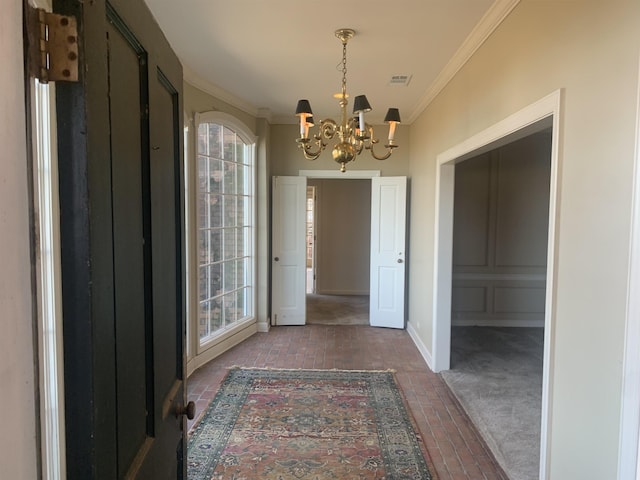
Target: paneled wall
500 235
343 236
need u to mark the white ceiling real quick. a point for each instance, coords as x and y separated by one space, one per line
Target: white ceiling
264 55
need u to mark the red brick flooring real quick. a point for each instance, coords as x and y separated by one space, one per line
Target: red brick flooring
456 449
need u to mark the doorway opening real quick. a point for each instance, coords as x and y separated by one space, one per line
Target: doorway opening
385 236
534 118
338 251
501 216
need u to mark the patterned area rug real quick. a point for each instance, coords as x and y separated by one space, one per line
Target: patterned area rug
307 424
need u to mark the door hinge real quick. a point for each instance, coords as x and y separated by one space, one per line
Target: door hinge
53 46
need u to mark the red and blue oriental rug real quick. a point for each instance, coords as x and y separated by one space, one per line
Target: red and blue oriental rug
307 424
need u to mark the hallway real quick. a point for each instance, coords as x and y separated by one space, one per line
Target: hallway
457 451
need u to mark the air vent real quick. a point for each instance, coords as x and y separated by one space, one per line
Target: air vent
401 80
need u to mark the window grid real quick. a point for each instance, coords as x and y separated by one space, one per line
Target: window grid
224 229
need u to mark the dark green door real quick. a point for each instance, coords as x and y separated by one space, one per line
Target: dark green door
121 208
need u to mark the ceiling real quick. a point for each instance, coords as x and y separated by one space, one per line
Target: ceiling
263 55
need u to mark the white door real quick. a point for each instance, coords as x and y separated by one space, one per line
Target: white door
288 261
388 240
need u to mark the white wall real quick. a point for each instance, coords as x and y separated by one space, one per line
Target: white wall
589 49
18 452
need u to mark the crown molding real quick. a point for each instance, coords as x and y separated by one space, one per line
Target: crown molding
192 78
485 27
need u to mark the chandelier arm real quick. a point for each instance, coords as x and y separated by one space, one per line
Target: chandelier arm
308 154
373 141
383 157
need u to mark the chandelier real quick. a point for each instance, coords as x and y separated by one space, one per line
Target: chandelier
354 134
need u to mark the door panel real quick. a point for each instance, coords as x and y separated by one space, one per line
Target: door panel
125 76
289 252
388 238
119 131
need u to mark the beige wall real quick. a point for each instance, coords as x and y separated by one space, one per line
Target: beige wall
18 452
287 159
343 231
589 49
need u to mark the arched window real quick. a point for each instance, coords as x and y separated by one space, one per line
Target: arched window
225 224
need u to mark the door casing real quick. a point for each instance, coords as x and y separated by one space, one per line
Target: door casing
537 116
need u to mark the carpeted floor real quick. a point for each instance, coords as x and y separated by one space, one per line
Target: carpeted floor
496 374
307 424
337 309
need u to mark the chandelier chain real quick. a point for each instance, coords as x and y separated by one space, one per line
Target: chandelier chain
344 69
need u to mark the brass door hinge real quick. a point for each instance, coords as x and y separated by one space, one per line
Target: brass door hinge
53 46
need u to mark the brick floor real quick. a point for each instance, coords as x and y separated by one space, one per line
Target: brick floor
457 451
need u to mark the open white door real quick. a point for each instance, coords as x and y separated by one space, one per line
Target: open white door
388 240
288 261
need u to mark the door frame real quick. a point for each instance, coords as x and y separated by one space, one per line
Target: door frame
337 175
629 444
541 114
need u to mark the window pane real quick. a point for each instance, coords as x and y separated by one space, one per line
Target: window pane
242 247
241 211
215 245
203 166
214 140
214 184
215 279
229 145
203 140
240 152
203 283
241 172
229 243
230 307
230 178
203 319
229 276
216 321
240 271
230 208
203 211
204 248
215 210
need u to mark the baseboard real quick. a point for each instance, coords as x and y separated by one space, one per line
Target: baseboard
264 326
497 323
422 348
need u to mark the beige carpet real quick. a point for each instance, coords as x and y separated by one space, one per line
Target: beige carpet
496 374
338 309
